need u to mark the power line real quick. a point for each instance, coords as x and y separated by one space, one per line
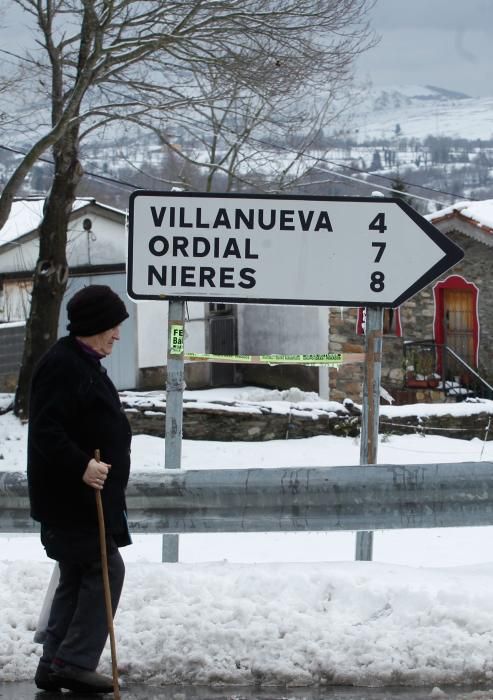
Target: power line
321 159
364 172
389 179
317 159
383 187
106 178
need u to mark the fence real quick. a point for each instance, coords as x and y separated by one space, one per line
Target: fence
373 497
438 366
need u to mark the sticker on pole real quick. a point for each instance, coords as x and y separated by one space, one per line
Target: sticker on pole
342 251
175 342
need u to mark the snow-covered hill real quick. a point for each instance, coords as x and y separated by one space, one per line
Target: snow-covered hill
416 111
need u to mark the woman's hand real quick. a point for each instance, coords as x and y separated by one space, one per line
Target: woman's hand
96 474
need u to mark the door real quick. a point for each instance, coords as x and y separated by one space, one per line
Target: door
458 308
222 341
456 319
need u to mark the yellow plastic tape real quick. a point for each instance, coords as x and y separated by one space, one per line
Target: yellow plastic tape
334 359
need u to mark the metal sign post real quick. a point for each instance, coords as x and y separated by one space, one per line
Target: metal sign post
370 410
175 383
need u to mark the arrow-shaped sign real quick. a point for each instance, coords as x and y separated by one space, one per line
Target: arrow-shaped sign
328 251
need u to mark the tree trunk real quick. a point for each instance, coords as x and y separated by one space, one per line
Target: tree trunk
51 273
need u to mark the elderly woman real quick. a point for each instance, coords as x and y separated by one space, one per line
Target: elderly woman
74 411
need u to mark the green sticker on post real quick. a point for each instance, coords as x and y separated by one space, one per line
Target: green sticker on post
175 343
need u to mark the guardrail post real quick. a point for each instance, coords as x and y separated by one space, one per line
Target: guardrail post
370 411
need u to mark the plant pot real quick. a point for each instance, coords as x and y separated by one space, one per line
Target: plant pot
417 383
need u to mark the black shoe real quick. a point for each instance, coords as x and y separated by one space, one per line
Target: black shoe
80 680
44 678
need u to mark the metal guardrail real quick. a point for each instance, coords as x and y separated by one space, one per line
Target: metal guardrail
368 497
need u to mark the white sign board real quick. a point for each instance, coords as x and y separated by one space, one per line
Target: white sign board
277 249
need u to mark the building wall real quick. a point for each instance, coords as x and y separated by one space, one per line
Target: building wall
265 329
15 301
152 329
11 345
477 267
121 364
105 243
417 321
144 336
347 381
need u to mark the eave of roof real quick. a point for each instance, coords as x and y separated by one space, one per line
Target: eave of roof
85 204
457 215
473 219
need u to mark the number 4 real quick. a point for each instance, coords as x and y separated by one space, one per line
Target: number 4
378 223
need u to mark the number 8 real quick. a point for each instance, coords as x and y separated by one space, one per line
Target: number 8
376 284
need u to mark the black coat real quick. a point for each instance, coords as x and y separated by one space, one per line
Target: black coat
74 410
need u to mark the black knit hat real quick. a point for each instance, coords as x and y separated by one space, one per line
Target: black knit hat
95 309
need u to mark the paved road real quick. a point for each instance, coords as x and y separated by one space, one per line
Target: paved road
27 691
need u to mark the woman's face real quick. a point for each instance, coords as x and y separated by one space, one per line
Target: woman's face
102 342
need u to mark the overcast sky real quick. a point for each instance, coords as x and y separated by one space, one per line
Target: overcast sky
446 43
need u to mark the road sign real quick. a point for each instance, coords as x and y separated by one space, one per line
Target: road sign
328 251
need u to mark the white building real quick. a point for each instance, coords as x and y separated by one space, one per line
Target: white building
96 254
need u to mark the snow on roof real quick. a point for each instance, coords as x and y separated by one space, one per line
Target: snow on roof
26 215
478 213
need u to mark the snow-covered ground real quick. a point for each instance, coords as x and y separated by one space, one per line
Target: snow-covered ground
421 111
455 119
281 608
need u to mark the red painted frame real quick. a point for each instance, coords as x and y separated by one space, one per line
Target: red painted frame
455 282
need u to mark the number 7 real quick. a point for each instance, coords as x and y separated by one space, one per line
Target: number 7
381 245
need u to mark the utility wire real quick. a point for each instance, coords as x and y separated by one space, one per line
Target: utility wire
382 187
106 178
363 172
123 183
389 179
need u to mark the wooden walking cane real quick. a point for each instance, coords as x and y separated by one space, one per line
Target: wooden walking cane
106 584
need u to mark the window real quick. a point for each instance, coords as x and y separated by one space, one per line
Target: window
220 309
391 322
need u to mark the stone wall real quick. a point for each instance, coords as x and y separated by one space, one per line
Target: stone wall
224 423
461 427
348 379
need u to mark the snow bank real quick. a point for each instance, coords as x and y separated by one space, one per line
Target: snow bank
357 623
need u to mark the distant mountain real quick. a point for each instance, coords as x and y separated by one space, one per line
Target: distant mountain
409 95
416 111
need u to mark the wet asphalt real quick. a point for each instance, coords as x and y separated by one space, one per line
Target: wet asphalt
27 691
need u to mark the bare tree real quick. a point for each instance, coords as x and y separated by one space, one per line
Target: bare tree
102 60
245 141
98 61
254 138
